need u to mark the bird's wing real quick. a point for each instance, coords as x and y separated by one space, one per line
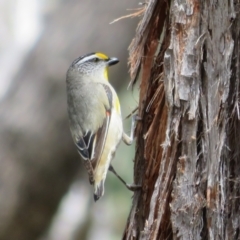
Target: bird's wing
90 146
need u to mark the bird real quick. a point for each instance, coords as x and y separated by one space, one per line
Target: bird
95 116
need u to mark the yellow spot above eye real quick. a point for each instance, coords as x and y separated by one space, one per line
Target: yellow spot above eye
102 56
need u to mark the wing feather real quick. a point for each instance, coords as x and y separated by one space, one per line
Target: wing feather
101 139
103 131
85 145
90 146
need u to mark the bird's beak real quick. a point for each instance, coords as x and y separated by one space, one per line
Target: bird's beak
112 61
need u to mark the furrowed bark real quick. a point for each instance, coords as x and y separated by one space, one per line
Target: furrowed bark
187 158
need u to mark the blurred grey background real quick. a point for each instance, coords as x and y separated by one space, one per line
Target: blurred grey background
44 189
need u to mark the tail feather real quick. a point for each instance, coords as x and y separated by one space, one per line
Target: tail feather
98 190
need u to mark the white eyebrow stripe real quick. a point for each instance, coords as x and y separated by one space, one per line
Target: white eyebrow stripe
85 59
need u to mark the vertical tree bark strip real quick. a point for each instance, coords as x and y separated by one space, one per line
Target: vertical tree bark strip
184 74
187 156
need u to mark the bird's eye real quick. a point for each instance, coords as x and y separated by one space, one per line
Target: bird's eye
95 59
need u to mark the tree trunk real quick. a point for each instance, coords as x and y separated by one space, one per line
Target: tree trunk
187 150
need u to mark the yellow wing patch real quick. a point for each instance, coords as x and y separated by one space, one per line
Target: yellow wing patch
102 56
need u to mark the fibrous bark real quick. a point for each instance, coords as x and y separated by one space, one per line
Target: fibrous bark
187 158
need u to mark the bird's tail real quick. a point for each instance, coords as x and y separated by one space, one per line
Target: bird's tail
98 190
